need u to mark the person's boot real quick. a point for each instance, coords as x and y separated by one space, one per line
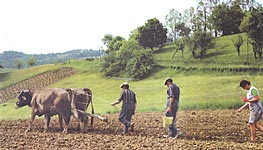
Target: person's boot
178 134
125 129
132 127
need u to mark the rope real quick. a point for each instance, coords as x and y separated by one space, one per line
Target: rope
117 108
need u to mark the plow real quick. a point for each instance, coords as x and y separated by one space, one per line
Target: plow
104 119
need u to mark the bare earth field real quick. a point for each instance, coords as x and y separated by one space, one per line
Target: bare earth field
202 129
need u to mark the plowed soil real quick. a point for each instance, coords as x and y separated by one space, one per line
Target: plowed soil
201 129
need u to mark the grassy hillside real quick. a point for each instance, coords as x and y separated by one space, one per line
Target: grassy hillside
14 76
223 55
206 90
199 90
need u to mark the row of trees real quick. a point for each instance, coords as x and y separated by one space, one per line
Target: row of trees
214 17
19 63
30 62
13 59
194 28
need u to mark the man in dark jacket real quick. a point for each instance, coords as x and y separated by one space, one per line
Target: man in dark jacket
173 94
128 99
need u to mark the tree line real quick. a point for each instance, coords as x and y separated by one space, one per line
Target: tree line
195 27
13 59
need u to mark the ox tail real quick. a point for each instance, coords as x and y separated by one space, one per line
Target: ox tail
71 97
92 110
89 93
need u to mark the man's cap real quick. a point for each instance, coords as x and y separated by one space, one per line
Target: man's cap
168 80
124 83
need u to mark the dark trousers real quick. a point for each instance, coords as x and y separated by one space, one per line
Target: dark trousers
172 128
125 115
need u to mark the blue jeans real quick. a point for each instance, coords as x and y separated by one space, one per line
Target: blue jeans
125 115
172 128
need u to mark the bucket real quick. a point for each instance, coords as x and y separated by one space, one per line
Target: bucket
167 121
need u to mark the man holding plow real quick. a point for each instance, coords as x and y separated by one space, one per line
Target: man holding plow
128 99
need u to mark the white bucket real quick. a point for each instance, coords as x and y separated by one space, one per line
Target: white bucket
167 121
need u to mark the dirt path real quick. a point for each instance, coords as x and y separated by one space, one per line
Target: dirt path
217 129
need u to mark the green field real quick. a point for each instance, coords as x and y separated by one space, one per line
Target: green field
199 89
223 55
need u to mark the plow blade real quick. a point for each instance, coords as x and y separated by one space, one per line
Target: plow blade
104 119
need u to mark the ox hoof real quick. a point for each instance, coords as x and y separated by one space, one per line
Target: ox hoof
106 119
28 130
46 129
83 131
65 131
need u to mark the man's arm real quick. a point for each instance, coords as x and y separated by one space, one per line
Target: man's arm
171 101
169 108
116 102
135 103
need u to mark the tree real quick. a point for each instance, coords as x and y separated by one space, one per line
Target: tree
152 34
112 43
201 41
219 17
244 4
211 5
140 65
106 39
1 66
171 20
18 63
129 60
111 65
140 61
227 19
255 29
191 19
181 29
177 24
115 43
180 44
202 13
245 22
238 43
31 61
236 15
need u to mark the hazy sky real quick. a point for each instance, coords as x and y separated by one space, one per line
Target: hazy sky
44 26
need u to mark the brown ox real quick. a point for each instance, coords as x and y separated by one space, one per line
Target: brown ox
49 102
82 99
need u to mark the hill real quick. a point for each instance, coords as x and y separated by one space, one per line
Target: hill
223 55
38 81
200 89
8 57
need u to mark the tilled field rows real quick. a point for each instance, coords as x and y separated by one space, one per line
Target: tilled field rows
202 129
39 81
